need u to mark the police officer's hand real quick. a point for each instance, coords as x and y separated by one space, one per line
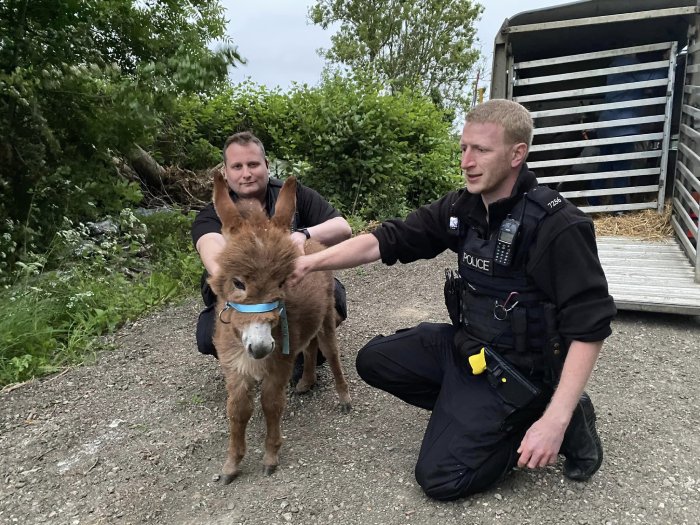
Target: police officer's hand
541 443
299 240
301 268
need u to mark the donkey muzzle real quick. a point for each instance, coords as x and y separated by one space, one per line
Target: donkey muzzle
257 340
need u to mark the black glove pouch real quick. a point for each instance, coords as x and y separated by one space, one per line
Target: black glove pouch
453 295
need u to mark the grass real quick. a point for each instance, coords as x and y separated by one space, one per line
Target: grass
53 318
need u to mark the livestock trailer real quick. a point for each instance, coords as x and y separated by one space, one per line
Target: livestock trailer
614 90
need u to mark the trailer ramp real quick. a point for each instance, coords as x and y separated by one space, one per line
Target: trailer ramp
651 276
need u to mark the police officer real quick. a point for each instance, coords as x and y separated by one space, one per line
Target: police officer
247 172
505 381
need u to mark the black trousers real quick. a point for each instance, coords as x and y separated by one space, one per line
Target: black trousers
207 317
472 437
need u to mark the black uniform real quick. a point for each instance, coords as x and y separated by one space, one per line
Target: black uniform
311 210
473 434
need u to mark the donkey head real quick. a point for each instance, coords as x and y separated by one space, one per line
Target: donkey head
258 257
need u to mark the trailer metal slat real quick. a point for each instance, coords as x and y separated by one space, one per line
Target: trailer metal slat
634 245
690 251
660 288
687 175
625 190
660 292
644 66
605 19
677 266
595 158
598 175
681 212
619 207
689 132
691 111
591 56
573 110
599 124
689 153
666 141
568 93
642 274
597 142
649 255
688 200
651 294
654 253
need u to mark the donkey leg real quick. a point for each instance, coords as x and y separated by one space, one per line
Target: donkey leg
329 348
239 407
308 377
274 398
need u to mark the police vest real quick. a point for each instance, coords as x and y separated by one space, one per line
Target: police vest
500 305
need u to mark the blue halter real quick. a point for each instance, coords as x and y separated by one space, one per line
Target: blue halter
260 309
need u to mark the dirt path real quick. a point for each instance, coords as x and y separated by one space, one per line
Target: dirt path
139 436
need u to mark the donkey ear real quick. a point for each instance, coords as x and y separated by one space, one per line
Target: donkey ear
286 204
225 208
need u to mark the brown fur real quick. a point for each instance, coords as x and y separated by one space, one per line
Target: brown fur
259 253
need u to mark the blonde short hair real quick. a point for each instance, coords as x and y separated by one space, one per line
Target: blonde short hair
515 119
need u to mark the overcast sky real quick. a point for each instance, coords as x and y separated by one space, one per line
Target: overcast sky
280 45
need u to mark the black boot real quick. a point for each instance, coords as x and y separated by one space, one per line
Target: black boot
581 445
299 366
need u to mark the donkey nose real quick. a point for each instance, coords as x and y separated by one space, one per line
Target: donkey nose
257 340
260 350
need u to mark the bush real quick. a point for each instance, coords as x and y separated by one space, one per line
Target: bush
80 84
94 278
372 155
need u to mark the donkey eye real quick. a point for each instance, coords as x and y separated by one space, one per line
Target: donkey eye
238 284
282 283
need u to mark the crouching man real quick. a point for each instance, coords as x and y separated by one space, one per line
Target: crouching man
530 309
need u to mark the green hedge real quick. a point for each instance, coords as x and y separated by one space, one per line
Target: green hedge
372 155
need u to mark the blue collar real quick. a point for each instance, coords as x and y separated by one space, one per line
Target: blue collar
253 308
259 309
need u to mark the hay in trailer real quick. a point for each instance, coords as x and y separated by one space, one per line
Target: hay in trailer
649 225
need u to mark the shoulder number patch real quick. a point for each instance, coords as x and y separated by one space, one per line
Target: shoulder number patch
554 203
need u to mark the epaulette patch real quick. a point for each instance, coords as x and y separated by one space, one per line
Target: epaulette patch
548 199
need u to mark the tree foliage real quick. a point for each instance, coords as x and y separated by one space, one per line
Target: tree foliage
81 81
373 155
423 44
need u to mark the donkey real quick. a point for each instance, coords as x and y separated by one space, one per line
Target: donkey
263 325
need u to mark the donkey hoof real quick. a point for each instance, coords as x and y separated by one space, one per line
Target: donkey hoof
228 478
345 408
268 470
303 387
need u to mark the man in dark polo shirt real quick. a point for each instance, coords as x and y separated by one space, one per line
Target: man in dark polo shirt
247 173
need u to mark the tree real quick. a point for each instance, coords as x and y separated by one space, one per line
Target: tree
81 82
373 155
418 44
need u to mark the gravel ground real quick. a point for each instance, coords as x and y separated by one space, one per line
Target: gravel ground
139 435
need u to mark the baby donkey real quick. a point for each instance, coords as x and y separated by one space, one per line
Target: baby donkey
263 325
